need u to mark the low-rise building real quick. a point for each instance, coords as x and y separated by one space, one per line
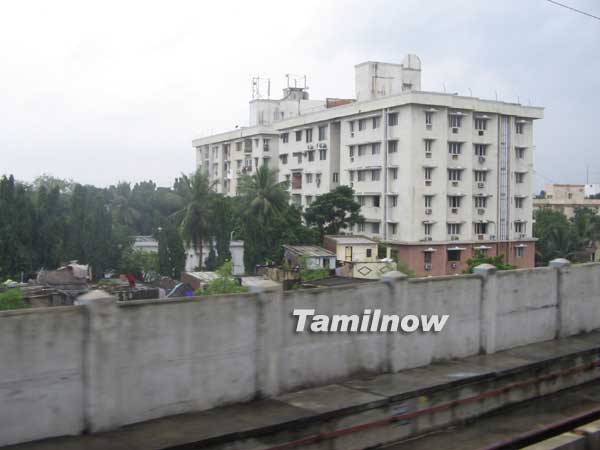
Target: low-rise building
348 248
567 198
310 256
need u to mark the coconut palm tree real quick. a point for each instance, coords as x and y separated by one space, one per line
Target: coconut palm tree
263 196
196 193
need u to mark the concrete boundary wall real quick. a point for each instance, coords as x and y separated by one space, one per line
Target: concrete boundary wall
101 365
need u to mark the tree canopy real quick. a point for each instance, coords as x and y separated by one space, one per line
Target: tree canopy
334 211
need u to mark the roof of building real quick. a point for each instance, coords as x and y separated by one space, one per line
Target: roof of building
309 250
339 281
351 240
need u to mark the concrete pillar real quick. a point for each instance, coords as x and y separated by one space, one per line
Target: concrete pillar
269 332
397 282
489 306
100 361
562 267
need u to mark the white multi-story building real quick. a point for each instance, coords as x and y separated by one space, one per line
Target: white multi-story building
438 176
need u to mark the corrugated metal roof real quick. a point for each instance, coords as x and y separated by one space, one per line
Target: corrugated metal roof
352 240
309 250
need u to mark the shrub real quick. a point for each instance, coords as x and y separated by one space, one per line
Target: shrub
12 299
224 283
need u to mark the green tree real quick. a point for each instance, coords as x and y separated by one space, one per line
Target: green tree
171 252
334 211
225 283
196 194
12 299
263 203
557 237
480 258
138 261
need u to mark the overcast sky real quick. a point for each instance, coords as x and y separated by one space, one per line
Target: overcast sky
115 90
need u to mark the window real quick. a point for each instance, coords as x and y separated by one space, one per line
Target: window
480 228
428 144
238 146
394 173
362 124
322 154
455 121
309 178
308 200
454 174
427 229
428 117
427 256
393 228
362 150
376 201
519 251
351 126
376 121
375 148
284 158
519 202
454 201
239 163
480 149
256 141
375 228
297 199
360 175
336 177
318 179
480 124
375 174
454 148
480 176
394 200
285 137
351 151
361 200
311 155
309 134
453 255
520 152
360 227
392 146
428 173
428 201
322 132
453 228
352 175
299 157
369 252
266 144
287 177
519 177
519 127
520 227
298 135
480 202
393 119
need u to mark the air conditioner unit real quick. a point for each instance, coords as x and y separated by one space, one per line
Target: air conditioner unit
428 211
481 211
480 185
351 184
428 155
427 267
428 126
455 183
352 134
480 237
454 156
455 130
453 265
427 182
310 147
522 236
481 133
492 237
454 238
454 210
427 238
482 159
352 159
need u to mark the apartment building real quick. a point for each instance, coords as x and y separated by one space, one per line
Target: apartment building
567 198
226 156
439 176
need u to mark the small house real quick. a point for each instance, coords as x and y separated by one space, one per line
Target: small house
351 248
312 256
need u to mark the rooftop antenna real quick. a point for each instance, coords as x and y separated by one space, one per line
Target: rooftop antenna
256 87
